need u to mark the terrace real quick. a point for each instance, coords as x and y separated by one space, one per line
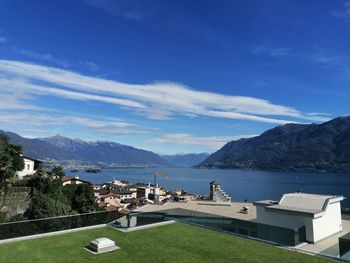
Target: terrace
176 242
230 217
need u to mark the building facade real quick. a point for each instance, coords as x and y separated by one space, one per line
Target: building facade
315 216
30 167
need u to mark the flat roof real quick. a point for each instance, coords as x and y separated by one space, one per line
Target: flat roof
265 202
301 203
227 209
308 201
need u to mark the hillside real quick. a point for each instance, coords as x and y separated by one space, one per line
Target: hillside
185 160
291 147
61 148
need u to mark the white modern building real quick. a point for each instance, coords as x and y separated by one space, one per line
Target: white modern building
30 167
316 216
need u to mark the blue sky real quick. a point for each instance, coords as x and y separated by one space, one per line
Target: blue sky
171 76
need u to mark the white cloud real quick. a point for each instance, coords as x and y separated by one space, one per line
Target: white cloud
2 39
319 116
45 124
212 142
160 100
40 56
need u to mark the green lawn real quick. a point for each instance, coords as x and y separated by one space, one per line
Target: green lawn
170 243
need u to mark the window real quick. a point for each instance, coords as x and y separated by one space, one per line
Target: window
28 167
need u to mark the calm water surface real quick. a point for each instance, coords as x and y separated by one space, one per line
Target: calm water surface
240 185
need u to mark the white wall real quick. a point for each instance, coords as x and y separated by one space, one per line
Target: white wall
279 219
71 182
316 228
328 224
287 220
28 169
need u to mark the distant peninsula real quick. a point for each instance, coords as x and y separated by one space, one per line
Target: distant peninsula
292 147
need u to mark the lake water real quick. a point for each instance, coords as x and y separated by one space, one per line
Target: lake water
239 184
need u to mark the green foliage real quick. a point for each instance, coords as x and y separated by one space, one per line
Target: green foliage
49 194
10 162
84 199
42 206
57 172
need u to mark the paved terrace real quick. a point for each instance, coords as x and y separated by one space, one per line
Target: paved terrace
328 246
231 210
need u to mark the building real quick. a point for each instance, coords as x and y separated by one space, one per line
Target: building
110 199
72 180
145 191
315 217
217 194
121 183
124 193
30 167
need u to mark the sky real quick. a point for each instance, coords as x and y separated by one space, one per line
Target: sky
177 76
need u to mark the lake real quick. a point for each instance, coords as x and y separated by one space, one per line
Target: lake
239 184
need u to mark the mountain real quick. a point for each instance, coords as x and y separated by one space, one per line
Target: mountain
61 149
185 160
291 147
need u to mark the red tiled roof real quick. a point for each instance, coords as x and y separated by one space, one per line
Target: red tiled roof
66 178
110 194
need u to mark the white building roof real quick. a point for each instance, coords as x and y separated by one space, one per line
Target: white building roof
305 203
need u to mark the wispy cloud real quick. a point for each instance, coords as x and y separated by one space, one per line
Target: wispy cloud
159 100
212 142
2 39
272 51
344 12
34 122
40 56
312 55
90 65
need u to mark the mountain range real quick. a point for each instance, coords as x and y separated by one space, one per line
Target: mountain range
63 149
291 147
73 152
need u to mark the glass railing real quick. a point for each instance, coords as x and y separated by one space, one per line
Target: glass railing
45 225
279 235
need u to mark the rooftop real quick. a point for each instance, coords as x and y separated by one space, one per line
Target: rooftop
69 178
308 201
231 210
169 243
311 204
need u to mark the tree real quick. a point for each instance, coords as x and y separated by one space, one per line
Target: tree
84 199
57 172
11 160
42 206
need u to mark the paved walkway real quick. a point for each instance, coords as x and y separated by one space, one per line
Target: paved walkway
328 246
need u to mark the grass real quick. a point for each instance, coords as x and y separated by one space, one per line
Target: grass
170 243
